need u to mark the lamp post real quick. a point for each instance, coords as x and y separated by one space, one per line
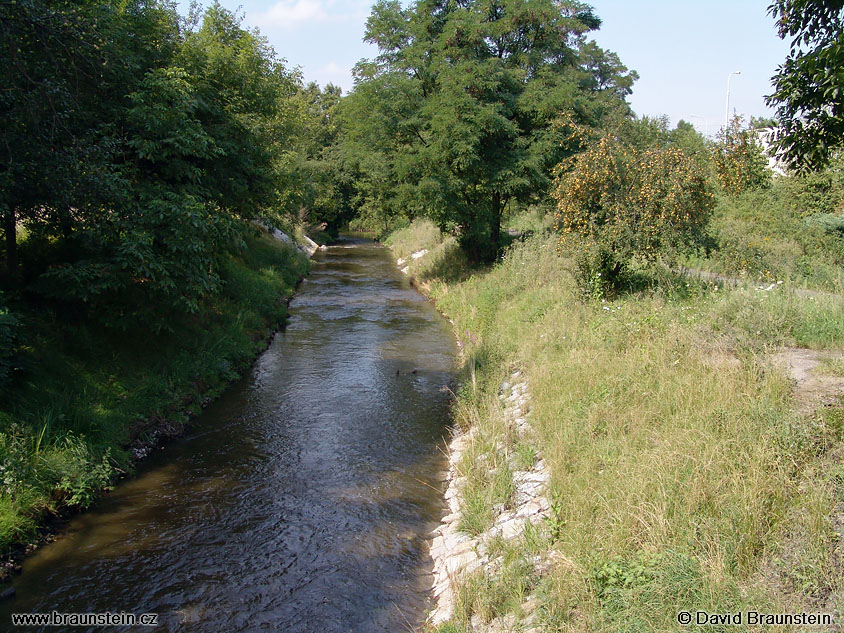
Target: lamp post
727 110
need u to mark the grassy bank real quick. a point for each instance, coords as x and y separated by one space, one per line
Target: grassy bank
790 231
84 397
682 474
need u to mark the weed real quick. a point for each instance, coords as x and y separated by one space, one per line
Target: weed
679 466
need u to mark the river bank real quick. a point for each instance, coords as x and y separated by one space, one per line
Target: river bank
301 499
90 405
685 471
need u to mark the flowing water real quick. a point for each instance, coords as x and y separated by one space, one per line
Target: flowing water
298 502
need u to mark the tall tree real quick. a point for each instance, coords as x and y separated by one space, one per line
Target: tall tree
466 94
809 85
133 143
67 69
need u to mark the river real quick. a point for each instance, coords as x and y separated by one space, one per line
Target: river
300 500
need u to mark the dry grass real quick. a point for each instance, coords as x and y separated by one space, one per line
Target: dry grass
678 481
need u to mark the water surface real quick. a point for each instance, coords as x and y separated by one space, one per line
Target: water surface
301 499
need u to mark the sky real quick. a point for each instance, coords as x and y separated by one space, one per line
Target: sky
683 51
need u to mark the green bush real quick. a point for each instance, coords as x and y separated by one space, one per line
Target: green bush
768 234
617 204
820 191
9 326
740 163
827 222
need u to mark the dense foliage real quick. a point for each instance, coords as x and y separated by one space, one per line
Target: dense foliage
135 144
455 117
739 161
616 203
808 86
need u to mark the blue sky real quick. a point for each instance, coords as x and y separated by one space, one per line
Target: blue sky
683 51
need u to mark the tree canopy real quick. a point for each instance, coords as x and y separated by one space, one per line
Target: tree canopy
455 118
134 145
138 144
809 85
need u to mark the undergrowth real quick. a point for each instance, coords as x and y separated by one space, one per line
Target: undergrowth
682 477
779 234
81 394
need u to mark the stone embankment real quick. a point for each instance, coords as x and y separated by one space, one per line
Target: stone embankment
455 553
307 245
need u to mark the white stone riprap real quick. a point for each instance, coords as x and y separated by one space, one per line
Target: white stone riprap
308 246
456 554
404 262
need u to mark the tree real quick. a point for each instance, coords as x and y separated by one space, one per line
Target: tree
617 203
151 246
133 145
809 85
67 70
467 94
740 162
239 85
687 138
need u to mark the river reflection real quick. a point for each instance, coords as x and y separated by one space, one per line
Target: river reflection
300 500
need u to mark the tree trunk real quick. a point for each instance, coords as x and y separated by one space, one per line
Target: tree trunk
495 224
66 222
11 238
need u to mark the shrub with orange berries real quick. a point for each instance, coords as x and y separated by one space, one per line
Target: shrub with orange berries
616 204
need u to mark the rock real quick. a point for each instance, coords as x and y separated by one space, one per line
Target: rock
509 529
419 254
437 543
455 564
444 610
454 553
474 565
538 506
310 247
453 540
451 518
502 624
282 237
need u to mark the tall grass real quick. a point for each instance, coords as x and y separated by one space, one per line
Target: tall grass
769 234
681 475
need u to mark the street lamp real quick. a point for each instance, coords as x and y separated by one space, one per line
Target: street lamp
727 110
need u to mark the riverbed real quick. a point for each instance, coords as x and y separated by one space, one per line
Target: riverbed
301 500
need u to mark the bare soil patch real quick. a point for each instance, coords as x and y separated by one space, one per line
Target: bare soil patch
813 388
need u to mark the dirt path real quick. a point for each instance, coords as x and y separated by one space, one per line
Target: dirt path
813 388
761 285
